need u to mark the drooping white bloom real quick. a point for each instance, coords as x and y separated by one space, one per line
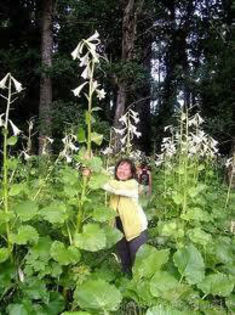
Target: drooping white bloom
94 85
2 122
77 91
16 130
100 94
120 131
84 60
94 37
107 151
17 84
123 120
86 74
3 81
50 140
78 50
26 155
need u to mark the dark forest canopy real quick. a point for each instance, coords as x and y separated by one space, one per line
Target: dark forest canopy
161 53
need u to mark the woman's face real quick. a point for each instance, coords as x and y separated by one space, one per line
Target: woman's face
124 171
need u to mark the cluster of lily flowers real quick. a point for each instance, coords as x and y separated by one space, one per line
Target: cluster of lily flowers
130 121
195 143
87 59
6 83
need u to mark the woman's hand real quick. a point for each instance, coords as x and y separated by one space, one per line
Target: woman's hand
86 172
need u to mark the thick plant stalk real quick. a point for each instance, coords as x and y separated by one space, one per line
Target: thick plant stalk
5 167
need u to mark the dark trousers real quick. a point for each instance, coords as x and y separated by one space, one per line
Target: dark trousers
127 250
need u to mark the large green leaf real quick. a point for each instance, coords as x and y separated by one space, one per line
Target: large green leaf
149 260
16 189
96 138
54 213
26 210
4 254
103 214
217 284
26 234
97 180
98 295
161 283
63 255
76 313
198 236
17 309
190 264
81 136
91 239
95 164
196 214
113 235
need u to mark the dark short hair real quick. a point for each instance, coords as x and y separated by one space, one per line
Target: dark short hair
132 165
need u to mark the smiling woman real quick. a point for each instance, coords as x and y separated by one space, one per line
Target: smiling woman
130 218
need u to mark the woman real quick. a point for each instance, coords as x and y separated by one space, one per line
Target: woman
130 218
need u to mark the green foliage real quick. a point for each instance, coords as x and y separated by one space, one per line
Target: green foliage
64 256
98 295
92 238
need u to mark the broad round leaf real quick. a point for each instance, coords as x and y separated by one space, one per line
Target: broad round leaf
149 260
26 210
26 234
190 264
98 295
113 235
162 282
54 213
91 239
198 236
217 284
103 214
63 255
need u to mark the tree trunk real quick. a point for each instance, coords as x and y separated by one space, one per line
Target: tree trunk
131 10
45 82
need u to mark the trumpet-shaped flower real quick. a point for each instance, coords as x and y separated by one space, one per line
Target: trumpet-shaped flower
16 130
17 84
78 90
2 122
4 81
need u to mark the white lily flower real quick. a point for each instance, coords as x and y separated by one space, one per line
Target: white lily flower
136 119
16 130
138 134
120 131
49 139
94 85
17 84
84 60
77 51
21 274
26 155
123 140
73 147
3 81
2 122
100 94
107 151
86 74
77 91
123 120
94 37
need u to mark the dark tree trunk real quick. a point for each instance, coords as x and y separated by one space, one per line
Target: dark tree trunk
45 83
131 10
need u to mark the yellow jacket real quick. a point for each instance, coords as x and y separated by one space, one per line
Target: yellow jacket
124 200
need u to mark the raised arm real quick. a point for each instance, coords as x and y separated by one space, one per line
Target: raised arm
127 188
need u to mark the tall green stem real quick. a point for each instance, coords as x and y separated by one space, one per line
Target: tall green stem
89 122
5 166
